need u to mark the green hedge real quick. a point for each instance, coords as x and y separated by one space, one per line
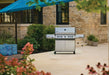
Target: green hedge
6 37
49 44
39 31
36 31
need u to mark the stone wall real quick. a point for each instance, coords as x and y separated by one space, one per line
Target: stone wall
21 29
49 15
87 23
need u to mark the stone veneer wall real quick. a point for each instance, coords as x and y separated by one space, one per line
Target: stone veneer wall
49 15
22 29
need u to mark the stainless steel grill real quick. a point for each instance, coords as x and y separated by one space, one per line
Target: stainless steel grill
64 39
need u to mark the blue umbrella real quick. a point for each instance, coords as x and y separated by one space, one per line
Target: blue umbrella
22 5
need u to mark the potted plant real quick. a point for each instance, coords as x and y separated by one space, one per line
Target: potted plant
90 39
95 41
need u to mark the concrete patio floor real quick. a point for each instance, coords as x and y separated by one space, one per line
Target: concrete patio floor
71 64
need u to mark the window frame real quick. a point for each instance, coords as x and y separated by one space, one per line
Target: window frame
11 22
57 16
104 22
102 15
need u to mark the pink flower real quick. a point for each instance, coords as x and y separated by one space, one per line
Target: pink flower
19 63
105 65
27 44
22 52
5 58
23 48
88 67
30 53
99 66
48 73
32 45
20 69
38 73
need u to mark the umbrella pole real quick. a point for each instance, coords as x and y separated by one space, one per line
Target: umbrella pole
108 44
15 28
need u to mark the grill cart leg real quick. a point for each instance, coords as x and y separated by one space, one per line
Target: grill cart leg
74 52
54 52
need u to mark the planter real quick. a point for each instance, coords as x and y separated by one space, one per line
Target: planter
90 43
95 43
8 49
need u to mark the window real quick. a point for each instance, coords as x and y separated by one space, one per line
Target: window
103 17
7 18
62 14
26 16
30 16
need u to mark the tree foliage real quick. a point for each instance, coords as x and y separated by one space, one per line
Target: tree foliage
92 5
47 2
87 5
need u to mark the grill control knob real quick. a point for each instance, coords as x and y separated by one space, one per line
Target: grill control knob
64 36
64 29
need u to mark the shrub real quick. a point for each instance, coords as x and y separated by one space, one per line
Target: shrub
49 44
6 37
91 37
36 31
28 39
95 40
39 31
10 41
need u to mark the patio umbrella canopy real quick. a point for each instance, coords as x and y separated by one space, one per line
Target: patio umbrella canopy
22 5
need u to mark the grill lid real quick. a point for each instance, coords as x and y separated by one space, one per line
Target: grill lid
65 30
64 33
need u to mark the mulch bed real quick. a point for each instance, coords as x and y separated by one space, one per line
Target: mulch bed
18 56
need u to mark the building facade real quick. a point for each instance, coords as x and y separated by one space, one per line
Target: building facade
62 16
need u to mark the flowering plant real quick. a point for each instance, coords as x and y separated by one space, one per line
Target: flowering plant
20 67
102 69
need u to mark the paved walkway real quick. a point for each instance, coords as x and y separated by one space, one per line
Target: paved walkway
70 64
